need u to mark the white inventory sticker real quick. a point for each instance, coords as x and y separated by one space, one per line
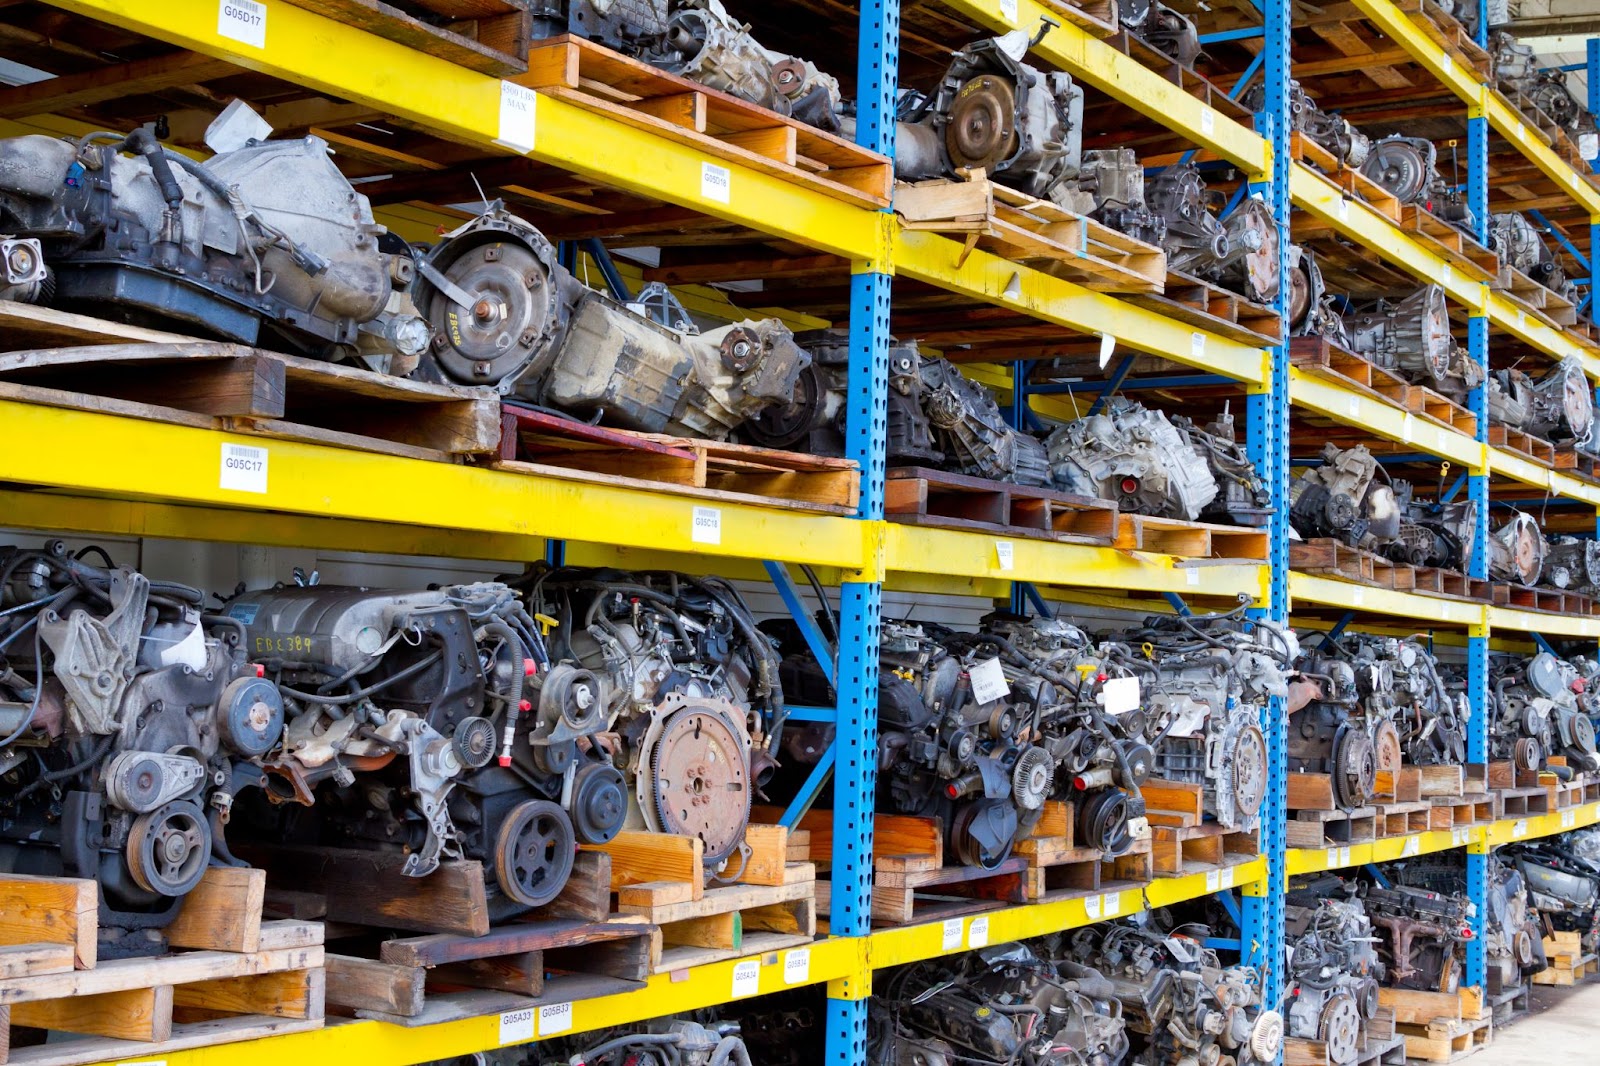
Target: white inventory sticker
1008 11
978 932
244 21
1213 880
950 937
1005 554
1119 695
989 681
1458 837
1413 846
1569 818
746 978
554 1018
716 183
518 113
1342 209
706 525
1197 345
797 967
1446 275
1208 121
516 1025
1191 576
244 469
1519 829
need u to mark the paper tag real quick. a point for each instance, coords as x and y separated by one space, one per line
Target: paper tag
951 938
1569 818
190 651
716 183
989 681
1413 846
978 932
797 967
1091 907
746 978
1005 553
1213 880
1197 345
1407 427
1344 856
1342 209
1449 63
1353 403
1108 345
1356 597
1522 319
1519 829
1459 837
1191 576
554 1018
1445 274
516 1025
1332 858
1008 11
1208 121
706 527
1110 903
244 469
1120 694
1227 877
1522 132
244 21
517 108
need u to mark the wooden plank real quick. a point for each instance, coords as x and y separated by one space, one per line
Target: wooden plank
68 91
507 940
395 25
522 973
223 913
121 975
132 1014
655 894
51 910
892 834
645 857
286 994
367 887
724 900
192 1035
769 855
369 985
27 960
587 893
710 931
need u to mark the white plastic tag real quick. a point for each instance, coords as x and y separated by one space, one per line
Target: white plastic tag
716 183
989 681
1213 880
1459 837
1005 553
554 1018
1332 858
1197 345
797 967
706 527
950 938
516 1025
1191 576
1446 275
1208 121
1091 907
1110 904
1408 426
1448 63
518 107
244 469
1356 597
1569 818
244 21
978 932
1519 829
1413 846
1120 694
746 978
1353 405
1344 856
1108 345
1227 877
1008 11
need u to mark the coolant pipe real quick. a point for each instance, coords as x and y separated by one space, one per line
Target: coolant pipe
1099 777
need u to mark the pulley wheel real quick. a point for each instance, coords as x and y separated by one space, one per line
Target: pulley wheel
1354 768
784 425
1249 773
474 741
533 852
599 802
169 849
1527 753
982 130
981 833
1583 733
698 782
251 718
1103 822
1340 1028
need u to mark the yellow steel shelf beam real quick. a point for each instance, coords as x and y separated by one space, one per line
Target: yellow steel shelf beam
1092 61
1315 860
1536 622
1513 466
1332 592
1511 830
1465 84
129 459
1353 408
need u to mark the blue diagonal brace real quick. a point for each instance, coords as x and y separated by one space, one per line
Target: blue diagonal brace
790 594
814 782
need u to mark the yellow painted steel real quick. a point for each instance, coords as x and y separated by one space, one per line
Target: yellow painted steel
1565 625
1517 468
1353 408
124 458
1315 860
1096 63
1511 830
974 554
1332 592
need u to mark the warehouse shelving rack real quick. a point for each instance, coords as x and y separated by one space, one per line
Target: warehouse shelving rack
103 473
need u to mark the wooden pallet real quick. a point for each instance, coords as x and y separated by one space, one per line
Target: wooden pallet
230 976
1568 963
164 377
1332 558
489 36
1534 298
1386 1050
1450 1042
924 497
1577 462
1543 599
535 442
1321 358
1439 1026
1190 540
1521 802
1312 828
1346 179
1097 17
1214 309
597 79
1511 1003
1446 31
1402 819
1529 447
1402 785
1465 255
985 214
1060 868
1182 842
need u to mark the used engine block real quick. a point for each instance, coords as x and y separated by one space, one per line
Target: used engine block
1537 712
1412 337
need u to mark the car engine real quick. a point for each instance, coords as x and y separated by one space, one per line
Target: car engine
1334 970
265 243
1169 32
505 314
1330 729
1517 550
1558 407
1513 939
127 712
1563 875
1412 337
1151 464
998 1006
1409 168
1348 145
429 723
1572 563
1421 936
972 433
685 697
1519 245
1519 72
1312 309
1239 252
1536 708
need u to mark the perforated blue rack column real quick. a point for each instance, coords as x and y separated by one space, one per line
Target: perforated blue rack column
1261 927
856 743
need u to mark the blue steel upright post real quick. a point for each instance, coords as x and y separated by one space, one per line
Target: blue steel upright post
1478 490
1267 438
860 601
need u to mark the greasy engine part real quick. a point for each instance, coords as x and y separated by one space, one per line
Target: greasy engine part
1311 307
1167 31
1513 940
265 243
126 712
971 432
1517 550
999 1006
1348 145
1537 710
1422 936
699 40
1155 465
1434 533
1239 252
1409 168
1563 874
1520 246
1179 1004
1572 563
1558 407
1519 72
1213 676
504 313
1412 337
659 1042
1329 730
416 724
1334 969
814 419
685 690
